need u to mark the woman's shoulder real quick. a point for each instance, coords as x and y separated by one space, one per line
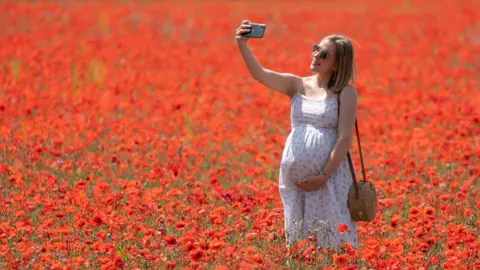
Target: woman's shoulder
299 83
349 89
349 93
308 78
301 80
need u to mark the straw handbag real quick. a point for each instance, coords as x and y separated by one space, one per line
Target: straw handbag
362 197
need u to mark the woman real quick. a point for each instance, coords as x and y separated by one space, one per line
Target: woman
315 178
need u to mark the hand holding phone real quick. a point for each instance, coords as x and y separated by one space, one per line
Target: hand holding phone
250 30
256 30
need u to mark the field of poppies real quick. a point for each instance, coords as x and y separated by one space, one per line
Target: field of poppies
132 135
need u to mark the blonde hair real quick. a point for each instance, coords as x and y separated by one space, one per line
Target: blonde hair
345 70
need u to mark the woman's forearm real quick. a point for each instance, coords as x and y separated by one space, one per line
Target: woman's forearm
253 66
337 155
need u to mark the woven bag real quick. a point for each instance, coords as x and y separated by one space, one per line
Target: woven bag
362 196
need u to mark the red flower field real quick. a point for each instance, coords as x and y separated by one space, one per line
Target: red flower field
132 135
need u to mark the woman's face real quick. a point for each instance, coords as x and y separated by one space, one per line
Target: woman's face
323 57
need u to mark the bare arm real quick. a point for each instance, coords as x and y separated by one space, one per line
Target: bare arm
280 82
346 126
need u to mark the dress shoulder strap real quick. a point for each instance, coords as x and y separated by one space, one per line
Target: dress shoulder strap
299 86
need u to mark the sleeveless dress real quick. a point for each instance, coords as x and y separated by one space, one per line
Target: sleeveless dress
317 213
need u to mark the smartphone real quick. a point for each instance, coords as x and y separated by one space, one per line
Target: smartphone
256 31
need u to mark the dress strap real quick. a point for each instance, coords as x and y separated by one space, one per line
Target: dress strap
298 88
300 85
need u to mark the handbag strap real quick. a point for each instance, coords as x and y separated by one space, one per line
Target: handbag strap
349 156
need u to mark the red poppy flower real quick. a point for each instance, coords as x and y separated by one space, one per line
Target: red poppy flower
170 240
197 254
343 228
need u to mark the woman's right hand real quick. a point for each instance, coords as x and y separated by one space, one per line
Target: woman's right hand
244 27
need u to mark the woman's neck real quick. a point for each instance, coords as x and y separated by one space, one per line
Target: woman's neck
322 80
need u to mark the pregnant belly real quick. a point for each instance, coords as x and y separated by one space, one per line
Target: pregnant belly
306 152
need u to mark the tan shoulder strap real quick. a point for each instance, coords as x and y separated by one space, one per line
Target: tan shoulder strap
349 156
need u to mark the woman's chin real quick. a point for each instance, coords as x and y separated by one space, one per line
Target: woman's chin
314 68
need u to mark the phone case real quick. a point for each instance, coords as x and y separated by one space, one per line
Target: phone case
257 31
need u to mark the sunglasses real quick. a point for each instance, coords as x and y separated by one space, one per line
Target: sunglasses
323 53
